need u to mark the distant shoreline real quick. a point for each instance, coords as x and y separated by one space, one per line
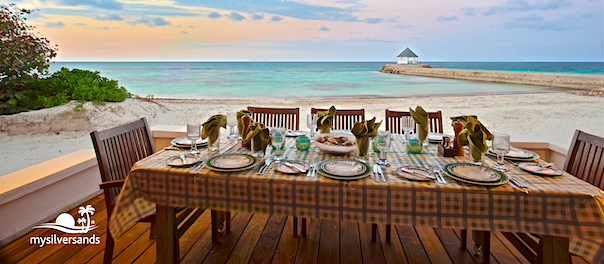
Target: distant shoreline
550 79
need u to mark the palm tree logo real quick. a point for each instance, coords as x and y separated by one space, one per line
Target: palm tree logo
88 211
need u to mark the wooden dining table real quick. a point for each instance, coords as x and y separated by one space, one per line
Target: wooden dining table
561 206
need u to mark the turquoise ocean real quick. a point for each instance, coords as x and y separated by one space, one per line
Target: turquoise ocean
307 80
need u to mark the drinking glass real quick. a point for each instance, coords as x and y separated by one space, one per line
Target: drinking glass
408 123
232 122
193 130
311 122
382 142
278 138
501 146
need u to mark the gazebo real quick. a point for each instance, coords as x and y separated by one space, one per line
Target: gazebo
407 53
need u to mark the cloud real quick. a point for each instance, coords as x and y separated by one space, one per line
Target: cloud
324 28
535 22
392 19
57 24
80 24
524 5
446 19
184 32
469 11
236 16
104 4
373 20
191 27
150 22
110 17
276 18
106 28
401 26
295 9
214 15
256 16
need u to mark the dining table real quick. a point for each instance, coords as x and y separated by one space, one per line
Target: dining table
561 206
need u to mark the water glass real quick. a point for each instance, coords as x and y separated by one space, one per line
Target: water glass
232 122
501 146
408 124
193 131
311 122
382 142
278 138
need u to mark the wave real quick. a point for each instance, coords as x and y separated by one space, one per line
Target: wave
65 229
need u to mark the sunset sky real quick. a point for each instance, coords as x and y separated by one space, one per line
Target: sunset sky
320 30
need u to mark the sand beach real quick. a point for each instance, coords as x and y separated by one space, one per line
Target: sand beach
32 137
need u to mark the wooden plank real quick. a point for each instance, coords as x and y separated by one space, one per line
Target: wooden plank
578 260
329 245
350 246
393 251
412 245
203 245
288 244
223 248
510 247
267 245
452 244
134 250
555 250
308 247
249 239
372 251
470 249
431 243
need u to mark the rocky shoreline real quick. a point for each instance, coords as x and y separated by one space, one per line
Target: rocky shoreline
594 82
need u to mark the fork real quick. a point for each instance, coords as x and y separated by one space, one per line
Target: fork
439 176
517 182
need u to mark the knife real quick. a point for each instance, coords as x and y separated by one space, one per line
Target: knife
541 167
381 173
418 173
294 167
375 173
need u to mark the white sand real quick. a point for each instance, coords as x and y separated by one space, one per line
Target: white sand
30 138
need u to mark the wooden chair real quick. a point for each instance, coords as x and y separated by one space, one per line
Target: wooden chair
585 160
344 119
393 121
277 117
117 149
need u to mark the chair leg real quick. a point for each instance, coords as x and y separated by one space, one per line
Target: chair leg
464 238
295 227
152 231
303 230
108 249
482 240
373 232
228 222
216 215
388 229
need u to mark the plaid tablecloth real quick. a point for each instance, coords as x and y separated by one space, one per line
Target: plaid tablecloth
560 206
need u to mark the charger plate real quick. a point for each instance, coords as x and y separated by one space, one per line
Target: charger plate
451 171
345 178
531 166
209 162
343 167
176 161
517 154
281 167
186 142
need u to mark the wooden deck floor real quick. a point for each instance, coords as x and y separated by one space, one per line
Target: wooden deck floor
268 239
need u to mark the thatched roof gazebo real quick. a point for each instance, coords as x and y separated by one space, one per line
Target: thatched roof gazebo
407 53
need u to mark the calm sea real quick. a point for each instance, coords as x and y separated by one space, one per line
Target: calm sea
213 80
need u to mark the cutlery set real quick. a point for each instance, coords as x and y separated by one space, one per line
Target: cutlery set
312 172
262 168
378 173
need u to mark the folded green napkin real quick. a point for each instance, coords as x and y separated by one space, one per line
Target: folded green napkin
211 128
475 135
239 124
325 119
363 131
260 134
421 117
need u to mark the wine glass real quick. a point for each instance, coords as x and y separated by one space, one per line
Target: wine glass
501 146
382 142
278 138
232 122
311 122
408 123
193 130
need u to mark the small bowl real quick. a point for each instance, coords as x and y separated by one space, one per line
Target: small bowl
338 150
415 146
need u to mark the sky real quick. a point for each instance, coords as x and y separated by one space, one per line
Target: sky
320 30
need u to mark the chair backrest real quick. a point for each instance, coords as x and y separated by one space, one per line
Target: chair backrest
118 148
585 158
344 119
277 117
393 121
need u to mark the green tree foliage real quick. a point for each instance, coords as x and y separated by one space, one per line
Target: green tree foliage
24 55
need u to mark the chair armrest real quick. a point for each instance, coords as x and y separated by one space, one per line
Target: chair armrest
111 184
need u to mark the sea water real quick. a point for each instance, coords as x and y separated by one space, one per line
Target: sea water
303 80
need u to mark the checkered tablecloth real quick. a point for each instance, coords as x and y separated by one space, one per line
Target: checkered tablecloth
559 206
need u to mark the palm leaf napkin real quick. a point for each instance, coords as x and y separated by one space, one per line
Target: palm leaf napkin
260 134
421 117
211 128
363 131
325 119
474 135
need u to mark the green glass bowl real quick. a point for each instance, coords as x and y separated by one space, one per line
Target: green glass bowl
303 143
415 146
374 147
